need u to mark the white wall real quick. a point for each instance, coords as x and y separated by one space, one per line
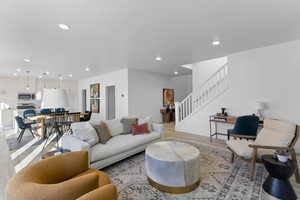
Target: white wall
117 78
270 74
182 85
145 93
11 86
202 71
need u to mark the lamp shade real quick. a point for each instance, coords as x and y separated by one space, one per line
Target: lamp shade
54 98
259 105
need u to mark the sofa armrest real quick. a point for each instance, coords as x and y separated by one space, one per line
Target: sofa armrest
73 144
103 193
158 127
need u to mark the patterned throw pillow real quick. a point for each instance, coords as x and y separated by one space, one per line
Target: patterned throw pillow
127 124
140 129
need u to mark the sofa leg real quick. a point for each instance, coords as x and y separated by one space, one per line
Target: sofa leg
253 162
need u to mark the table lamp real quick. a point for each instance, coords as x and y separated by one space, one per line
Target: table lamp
260 106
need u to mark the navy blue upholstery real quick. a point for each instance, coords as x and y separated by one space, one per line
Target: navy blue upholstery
23 126
46 111
245 125
59 110
28 113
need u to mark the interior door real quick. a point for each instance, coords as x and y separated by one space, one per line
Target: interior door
110 102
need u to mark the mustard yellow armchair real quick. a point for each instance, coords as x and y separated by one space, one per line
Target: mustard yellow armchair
63 177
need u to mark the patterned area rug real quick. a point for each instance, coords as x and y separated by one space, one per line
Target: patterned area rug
220 180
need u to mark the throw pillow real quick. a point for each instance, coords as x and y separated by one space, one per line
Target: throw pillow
147 120
85 132
115 126
127 124
140 129
105 133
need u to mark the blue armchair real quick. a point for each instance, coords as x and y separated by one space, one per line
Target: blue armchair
244 126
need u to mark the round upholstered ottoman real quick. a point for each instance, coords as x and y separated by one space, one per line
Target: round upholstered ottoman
172 166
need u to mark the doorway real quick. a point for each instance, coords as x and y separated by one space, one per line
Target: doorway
83 97
110 102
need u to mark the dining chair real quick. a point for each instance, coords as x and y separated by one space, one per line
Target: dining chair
46 111
23 127
29 113
245 127
86 117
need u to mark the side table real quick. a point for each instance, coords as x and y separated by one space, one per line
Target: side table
277 183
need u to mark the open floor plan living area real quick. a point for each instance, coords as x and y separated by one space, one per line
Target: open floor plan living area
149 100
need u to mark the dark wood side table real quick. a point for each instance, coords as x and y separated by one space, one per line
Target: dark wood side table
277 183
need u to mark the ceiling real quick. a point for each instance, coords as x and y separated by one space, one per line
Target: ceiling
107 35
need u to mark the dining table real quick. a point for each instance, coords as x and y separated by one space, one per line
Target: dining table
42 118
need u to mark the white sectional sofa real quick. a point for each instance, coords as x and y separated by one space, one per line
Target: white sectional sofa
117 148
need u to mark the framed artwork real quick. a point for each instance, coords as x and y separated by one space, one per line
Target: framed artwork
168 97
95 105
95 90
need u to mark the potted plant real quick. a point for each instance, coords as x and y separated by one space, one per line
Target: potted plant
282 155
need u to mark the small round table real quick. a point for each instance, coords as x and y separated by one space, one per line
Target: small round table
173 167
277 183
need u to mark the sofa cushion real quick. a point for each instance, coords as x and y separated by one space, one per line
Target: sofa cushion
127 124
276 133
241 148
115 126
85 132
118 145
280 126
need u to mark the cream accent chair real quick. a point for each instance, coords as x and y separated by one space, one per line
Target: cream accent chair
275 135
63 177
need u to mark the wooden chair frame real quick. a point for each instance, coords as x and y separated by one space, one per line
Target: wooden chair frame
255 148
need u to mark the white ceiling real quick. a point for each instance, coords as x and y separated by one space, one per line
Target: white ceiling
107 35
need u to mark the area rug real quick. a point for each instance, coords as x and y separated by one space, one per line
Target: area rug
220 180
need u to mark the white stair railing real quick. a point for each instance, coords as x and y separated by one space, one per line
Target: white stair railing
215 85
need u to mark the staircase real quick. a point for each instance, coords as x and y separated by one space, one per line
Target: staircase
214 86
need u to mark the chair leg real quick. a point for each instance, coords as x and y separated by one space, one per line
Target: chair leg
21 135
30 129
253 163
294 158
232 157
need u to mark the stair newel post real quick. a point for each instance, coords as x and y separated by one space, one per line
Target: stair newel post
177 112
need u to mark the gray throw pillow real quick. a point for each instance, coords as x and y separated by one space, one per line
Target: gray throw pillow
103 132
127 124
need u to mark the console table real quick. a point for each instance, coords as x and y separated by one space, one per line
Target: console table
215 119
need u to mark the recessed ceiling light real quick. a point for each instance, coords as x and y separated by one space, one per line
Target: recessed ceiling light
63 26
15 74
40 76
158 58
175 72
47 73
87 69
27 60
18 70
216 43
70 75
